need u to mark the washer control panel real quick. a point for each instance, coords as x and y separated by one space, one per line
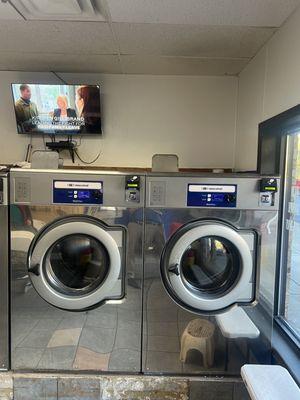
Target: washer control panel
209 195
268 190
77 192
132 189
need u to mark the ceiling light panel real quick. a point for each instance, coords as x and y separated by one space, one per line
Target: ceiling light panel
70 10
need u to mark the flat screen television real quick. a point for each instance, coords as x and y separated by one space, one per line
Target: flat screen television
57 109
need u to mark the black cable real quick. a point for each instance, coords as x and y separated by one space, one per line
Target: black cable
76 143
87 162
59 77
29 149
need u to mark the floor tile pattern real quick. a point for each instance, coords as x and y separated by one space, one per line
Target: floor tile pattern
115 387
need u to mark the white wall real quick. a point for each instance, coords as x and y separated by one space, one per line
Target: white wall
193 117
269 85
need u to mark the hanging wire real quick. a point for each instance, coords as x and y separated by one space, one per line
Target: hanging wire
87 162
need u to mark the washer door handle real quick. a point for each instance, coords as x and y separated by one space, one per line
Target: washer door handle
174 269
35 269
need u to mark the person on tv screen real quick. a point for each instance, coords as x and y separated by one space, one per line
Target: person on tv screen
63 112
88 104
26 110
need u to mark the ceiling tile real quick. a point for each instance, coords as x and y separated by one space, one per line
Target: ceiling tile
191 40
57 37
55 62
155 65
204 12
8 12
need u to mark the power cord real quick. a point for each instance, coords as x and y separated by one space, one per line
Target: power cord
87 162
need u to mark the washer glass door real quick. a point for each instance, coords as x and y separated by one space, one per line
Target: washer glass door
76 264
208 266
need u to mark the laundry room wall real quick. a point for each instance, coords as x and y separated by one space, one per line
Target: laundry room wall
268 85
191 116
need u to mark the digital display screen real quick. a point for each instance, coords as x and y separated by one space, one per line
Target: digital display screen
217 197
57 109
83 194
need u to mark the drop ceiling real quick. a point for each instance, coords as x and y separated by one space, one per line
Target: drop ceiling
190 37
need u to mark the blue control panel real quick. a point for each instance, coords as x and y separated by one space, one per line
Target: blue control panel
210 195
77 192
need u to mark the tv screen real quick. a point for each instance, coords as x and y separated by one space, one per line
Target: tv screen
57 109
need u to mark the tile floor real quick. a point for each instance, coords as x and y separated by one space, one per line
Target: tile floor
107 338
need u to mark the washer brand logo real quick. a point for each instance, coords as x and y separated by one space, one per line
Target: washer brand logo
77 185
212 188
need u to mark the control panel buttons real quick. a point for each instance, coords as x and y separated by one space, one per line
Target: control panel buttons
212 195
230 198
78 192
97 194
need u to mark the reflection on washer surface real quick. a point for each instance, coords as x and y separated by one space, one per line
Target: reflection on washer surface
74 304
195 261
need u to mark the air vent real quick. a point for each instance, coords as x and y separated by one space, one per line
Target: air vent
66 10
8 12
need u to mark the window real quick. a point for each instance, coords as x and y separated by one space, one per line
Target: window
289 287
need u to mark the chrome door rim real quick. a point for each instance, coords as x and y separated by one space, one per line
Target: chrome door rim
47 240
175 284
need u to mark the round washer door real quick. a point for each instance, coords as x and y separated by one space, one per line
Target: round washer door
207 267
75 263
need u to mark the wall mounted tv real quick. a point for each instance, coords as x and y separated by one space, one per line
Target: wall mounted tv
57 109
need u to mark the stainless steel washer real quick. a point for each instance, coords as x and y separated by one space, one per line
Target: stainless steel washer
76 270
210 256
